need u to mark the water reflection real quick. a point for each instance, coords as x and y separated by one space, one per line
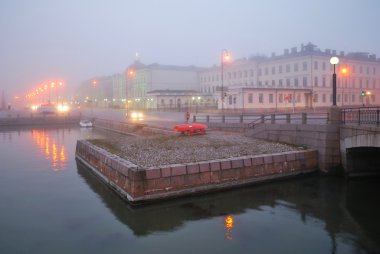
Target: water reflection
51 147
318 203
229 224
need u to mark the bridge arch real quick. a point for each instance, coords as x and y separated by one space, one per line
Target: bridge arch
360 151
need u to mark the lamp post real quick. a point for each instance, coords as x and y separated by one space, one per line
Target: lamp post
334 61
224 56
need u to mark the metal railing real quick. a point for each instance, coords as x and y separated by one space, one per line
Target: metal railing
254 119
361 116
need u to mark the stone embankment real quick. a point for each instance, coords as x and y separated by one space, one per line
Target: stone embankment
138 182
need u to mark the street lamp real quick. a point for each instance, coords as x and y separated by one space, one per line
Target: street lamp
225 56
334 61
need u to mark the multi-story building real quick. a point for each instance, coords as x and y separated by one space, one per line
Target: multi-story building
297 79
119 90
162 86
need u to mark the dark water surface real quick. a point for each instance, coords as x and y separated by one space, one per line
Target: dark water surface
48 204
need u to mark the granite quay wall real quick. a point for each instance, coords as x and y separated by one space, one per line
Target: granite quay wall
138 185
34 120
130 128
324 138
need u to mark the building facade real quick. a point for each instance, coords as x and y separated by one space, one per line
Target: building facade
148 86
297 79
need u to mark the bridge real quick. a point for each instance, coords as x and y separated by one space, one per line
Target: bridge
347 139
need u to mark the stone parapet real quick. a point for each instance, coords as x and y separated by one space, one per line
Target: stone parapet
137 184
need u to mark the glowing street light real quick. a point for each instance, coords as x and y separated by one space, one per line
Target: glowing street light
344 70
334 61
224 57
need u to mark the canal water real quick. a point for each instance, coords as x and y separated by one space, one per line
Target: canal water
49 204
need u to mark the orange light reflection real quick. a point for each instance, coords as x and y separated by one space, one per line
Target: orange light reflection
229 225
51 149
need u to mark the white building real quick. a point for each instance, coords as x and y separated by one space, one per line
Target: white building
148 85
297 79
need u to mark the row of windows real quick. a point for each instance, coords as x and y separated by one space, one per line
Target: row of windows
282 98
288 68
296 82
288 98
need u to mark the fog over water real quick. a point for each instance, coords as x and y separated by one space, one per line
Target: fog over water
75 40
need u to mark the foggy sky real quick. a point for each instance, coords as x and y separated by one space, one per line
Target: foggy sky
75 40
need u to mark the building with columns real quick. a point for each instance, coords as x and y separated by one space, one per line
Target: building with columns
299 78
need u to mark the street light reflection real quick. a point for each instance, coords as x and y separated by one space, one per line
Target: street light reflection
229 225
51 149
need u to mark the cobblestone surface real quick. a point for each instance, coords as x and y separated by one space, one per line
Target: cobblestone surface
164 150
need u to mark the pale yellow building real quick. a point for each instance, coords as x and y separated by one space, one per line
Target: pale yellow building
299 78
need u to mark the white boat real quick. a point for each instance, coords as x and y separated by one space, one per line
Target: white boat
85 123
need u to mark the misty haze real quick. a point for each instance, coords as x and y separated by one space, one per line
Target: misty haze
189 126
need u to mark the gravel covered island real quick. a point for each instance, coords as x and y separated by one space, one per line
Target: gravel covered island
148 151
